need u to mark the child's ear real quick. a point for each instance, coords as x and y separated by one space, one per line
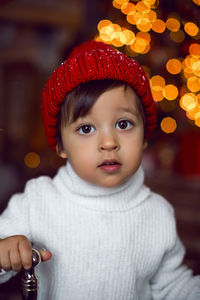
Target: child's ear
61 153
145 144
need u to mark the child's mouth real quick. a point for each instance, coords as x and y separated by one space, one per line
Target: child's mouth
110 166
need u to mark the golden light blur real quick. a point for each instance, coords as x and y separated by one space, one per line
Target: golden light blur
157 80
32 160
142 16
197 2
168 125
173 24
127 8
157 83
143 24
194 49
174 66
170 92
188 101
157 93
193 84
158 26
197 119
177 37
191 28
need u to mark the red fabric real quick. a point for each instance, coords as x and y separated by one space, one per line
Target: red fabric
93 61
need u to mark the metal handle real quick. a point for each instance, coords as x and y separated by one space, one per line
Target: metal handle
29 282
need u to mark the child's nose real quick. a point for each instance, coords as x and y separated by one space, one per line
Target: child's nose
109 142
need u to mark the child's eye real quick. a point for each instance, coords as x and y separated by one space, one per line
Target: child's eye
124 124
86 129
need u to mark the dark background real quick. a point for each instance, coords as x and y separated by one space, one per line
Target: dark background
35 37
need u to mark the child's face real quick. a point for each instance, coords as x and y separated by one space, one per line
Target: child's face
105 146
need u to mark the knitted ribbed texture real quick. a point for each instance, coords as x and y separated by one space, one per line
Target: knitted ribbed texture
107 244
93 61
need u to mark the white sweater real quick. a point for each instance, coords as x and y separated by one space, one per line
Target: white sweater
107 243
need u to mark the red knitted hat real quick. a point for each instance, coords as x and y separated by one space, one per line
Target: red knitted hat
93 61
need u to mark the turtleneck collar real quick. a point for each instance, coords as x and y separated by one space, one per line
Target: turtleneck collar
123 197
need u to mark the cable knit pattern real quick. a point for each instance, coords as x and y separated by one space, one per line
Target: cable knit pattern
107 243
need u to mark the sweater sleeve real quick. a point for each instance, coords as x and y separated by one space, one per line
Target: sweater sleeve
15 221
174 281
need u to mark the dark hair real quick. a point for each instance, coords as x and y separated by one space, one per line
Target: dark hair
82 98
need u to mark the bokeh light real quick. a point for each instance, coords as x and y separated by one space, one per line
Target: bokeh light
191 28
173 24
174 66
142 17
32 160
168 125
188 101
178 36
158 26
194 49
197 2
170 92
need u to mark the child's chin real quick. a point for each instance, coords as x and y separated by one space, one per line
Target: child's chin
111 184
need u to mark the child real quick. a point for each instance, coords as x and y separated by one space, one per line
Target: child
110 237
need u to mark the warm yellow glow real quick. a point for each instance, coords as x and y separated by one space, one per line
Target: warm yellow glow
116 28
193 84
158 26
174 66
157 93
197 2
196 67
170 92
117 42
127 8
178 36
194 49
143 24
116 5
142 7
120 2
139 45
150 2
168 125
103 23
173 24
191 28
144 35
157 80
32 160
129 36
188 101
133 17
191 64
191 113
107 33
151 15
197 119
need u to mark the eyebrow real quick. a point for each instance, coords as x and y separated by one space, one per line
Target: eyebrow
128 109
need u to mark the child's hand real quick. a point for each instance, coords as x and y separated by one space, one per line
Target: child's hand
16 251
